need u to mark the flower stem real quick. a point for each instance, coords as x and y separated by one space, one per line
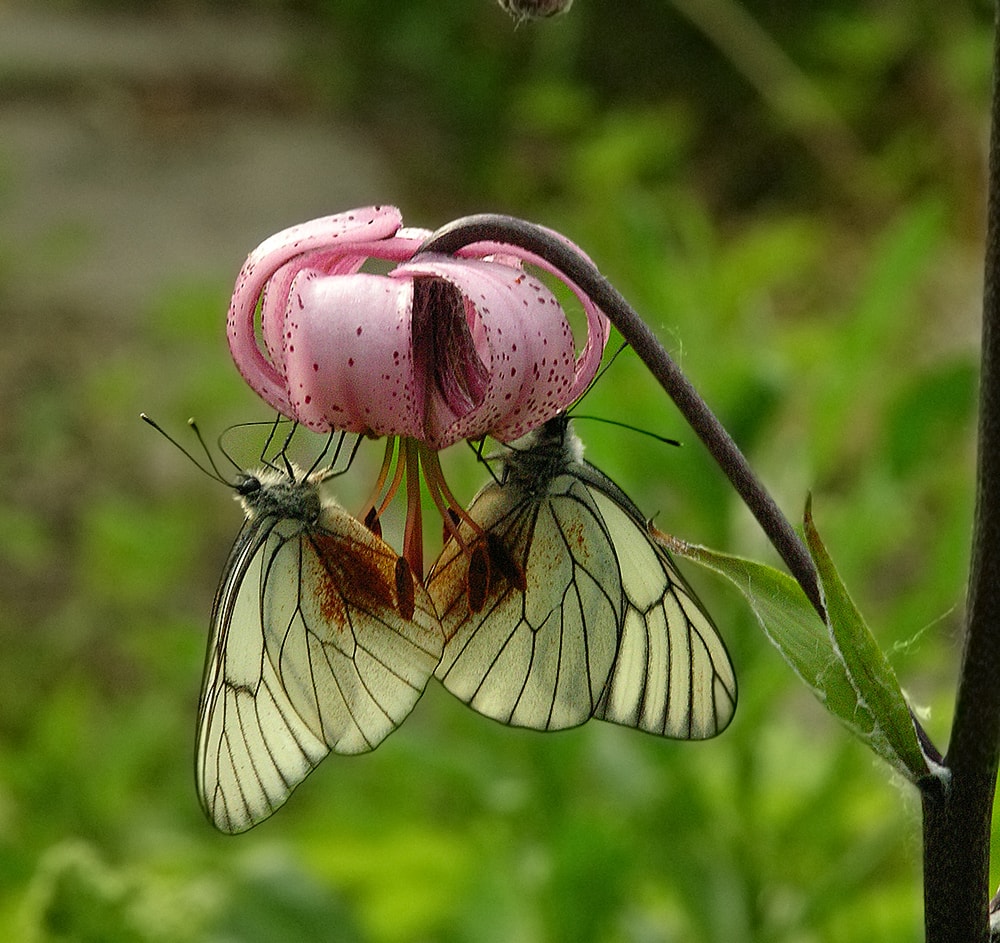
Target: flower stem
957 819
548 246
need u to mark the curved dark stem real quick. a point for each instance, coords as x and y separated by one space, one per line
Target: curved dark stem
548 246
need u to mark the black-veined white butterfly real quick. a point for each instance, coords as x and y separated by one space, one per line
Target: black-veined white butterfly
564 608
321 640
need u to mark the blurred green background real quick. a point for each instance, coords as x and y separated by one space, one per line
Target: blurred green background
792 194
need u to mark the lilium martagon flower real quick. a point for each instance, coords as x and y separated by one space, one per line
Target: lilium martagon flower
441 348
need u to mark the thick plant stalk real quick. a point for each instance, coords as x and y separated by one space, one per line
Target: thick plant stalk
957 818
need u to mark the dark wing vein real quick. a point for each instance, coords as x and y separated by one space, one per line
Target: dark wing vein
286 680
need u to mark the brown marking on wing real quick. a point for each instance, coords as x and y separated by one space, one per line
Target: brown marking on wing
351 573
575 534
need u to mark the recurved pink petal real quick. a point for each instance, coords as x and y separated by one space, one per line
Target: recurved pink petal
521 336
598 326
348 354
352 233
441 349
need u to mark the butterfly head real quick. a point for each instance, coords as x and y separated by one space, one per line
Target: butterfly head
539 456
272 492
247 486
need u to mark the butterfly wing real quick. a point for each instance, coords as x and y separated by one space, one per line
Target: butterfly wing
605 625
321 641
672 675
537 656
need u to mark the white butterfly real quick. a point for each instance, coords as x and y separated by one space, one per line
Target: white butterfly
321 640
564 608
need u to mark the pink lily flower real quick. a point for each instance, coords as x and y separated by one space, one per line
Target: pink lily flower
439 349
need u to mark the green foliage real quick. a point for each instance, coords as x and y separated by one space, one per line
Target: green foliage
881 716
836 656
810 254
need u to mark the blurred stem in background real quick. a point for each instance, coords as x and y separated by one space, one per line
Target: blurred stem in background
792 95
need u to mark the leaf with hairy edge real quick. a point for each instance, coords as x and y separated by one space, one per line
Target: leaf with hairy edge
858 688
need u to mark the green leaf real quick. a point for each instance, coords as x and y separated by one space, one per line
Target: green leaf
874 681
839 661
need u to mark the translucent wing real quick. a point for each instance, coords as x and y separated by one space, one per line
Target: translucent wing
602 623
672 675
321 640
537 656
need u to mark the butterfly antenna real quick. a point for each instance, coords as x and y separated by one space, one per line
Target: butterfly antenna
220 441
211 470
600 373
608 365
666 440
208 454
